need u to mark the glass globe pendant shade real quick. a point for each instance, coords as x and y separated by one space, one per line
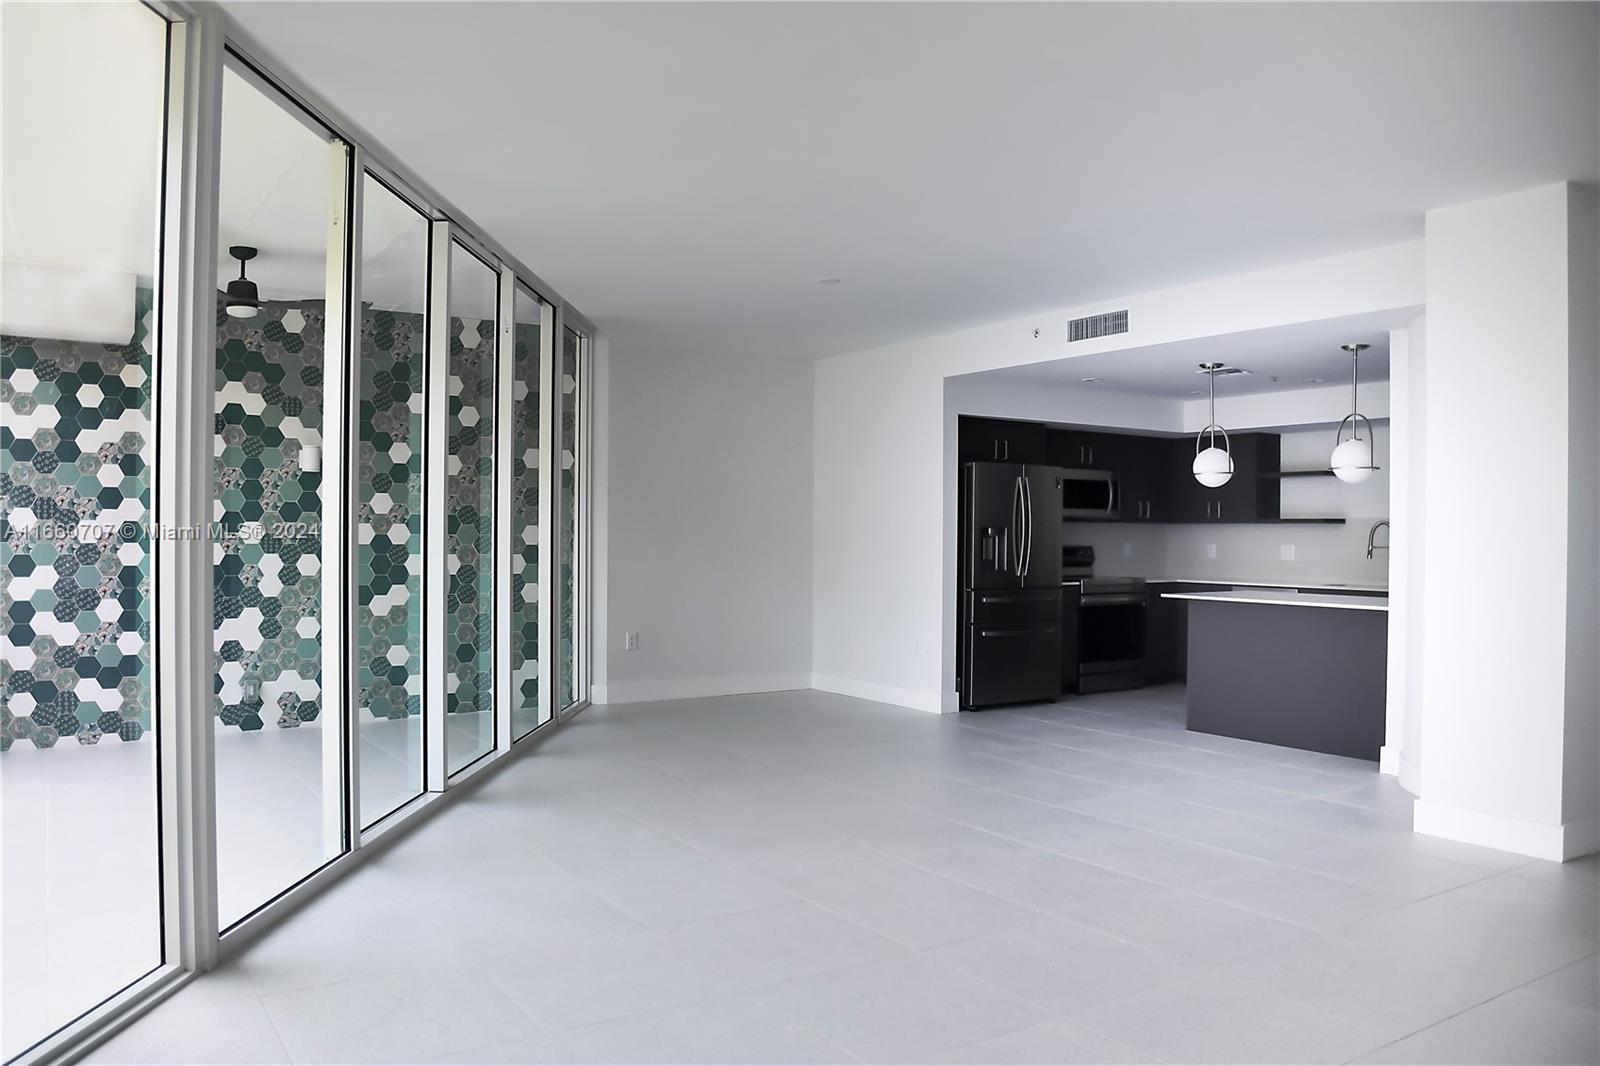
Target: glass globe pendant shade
1352 460
1213 467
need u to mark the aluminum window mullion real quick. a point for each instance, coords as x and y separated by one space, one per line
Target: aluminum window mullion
436 444
581 591
342 345
505 384
182 565
549 543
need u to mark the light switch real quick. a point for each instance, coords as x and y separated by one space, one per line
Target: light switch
1211 551
1286 552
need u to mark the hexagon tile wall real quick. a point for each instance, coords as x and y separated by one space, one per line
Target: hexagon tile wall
267 592
75 448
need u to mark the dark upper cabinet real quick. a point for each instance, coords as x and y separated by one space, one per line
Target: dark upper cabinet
1251 495
1142 465
1080 449
998 440
1154 474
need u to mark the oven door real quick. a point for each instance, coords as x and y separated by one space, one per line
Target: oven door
1090 494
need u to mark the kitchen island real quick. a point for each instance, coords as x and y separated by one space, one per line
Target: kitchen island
1301 669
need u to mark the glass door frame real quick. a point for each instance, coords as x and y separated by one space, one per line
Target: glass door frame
568 319
336 573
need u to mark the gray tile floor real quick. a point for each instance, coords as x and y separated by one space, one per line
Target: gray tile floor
798 877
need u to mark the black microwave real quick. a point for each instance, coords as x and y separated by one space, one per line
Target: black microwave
1090 494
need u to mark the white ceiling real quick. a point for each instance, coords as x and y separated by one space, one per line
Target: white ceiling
686 172
1302 356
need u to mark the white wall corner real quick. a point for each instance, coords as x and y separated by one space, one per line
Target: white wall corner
917 700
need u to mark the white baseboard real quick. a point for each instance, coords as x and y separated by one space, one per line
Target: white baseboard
1410 775
688 688
871 690
1389 760
1392 761
1539 840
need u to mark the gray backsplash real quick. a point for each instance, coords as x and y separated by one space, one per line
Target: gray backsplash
1243 552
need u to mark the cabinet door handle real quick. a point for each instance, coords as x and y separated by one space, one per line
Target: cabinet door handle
1007 453
1219 510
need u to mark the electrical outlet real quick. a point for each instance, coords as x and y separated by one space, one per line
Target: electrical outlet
630 642
1211 551
1127 549
1286 552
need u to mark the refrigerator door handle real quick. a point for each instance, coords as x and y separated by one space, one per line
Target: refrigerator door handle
1027 526
1016 525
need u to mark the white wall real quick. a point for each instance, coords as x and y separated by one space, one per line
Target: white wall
1508 674
884 559
1581 766
707 470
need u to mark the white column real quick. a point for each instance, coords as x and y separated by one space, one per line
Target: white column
1402 746
1509 550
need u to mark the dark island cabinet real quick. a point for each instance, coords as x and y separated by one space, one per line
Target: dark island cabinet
999 440
1166 633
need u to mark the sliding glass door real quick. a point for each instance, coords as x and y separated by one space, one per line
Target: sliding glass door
528 469
264 580
278 737
569 504
81 146
391 375
469 509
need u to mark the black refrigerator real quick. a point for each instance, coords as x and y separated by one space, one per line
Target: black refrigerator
1009 644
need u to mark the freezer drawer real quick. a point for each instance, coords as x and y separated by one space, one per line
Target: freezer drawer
1013 606
1011 664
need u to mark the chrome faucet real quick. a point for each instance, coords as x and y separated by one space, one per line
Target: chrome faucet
1372 536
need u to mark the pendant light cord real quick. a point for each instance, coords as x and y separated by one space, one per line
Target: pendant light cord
1355 397
1211 376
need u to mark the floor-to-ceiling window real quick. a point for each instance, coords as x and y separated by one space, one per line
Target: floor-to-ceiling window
326 625
528 711
81 149
568 509
279 795
469 510
389 450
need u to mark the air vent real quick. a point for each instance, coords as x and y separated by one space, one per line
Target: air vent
1085 329
1226 371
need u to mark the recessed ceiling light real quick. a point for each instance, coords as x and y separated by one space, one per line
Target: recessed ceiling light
1088 381
1315 381
827 281
1197 392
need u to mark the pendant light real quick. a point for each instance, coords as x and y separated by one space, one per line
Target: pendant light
1352 459
243 299
1213 467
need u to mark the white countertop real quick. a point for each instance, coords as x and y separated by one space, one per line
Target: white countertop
1353 586
1345 602
1331 586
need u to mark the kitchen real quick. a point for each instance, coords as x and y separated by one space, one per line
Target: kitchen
1231 558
